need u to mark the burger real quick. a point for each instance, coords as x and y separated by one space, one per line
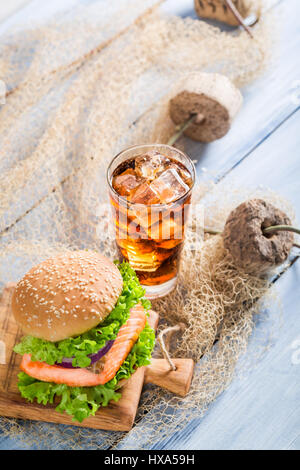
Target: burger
85 320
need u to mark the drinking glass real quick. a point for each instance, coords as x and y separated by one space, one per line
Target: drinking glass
150 236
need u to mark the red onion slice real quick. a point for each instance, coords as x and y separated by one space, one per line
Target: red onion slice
67 361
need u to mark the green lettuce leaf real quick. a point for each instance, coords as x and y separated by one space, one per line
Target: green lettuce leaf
82 402
96 338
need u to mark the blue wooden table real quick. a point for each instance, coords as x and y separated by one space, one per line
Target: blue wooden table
262 409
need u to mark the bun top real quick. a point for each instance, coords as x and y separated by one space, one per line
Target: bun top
67 295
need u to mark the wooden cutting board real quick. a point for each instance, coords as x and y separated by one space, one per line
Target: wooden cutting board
115 417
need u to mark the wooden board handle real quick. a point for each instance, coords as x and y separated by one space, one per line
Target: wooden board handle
178 381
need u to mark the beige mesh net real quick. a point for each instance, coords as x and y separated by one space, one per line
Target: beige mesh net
80 89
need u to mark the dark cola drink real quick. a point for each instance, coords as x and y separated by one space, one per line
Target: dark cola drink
150 193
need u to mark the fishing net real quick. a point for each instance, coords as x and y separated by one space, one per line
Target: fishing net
80 88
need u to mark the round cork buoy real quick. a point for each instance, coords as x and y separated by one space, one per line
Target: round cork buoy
251 249
214 101
219 10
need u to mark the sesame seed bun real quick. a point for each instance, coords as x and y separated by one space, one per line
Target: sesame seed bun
67 295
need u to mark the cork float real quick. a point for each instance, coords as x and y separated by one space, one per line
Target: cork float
205 106
231 12
258 236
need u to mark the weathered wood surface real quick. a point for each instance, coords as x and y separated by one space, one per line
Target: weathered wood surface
261 149
11 8
261 411
113 32
243 417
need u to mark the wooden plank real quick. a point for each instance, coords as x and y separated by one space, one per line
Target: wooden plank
115 417
268 101
273 164
157 85
247 132
114 31
243 417
37 12
33 11
277 111
11 7
261 411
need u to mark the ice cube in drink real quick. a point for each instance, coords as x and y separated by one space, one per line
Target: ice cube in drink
126 182
150 164
144 194
169 186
